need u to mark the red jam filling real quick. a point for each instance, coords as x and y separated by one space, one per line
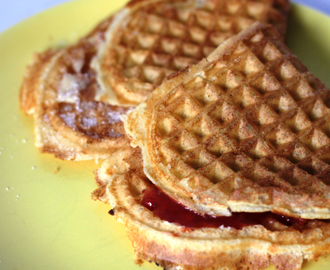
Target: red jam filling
169 210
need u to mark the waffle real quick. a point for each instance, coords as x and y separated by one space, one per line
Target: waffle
58 90
149 40
174 246
244 130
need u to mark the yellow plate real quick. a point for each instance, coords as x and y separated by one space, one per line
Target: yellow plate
47 219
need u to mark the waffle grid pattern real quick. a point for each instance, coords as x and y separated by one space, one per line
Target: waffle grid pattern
163 38
255 118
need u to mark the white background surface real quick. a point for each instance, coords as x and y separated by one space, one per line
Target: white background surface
14 11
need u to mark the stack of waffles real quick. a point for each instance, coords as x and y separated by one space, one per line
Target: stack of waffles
240 141
217 136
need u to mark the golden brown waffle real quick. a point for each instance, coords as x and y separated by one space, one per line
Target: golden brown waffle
245 130
173 246
149 40
58 90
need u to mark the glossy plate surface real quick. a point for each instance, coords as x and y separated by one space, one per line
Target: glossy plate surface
47 219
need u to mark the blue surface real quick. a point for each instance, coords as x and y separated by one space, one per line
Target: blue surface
14 11
320 5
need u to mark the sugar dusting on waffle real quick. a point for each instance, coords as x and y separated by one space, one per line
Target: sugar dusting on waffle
59 91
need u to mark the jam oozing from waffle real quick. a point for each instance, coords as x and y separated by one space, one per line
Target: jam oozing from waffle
169 210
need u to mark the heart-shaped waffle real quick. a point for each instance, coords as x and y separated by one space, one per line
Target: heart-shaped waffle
149 40
244 130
